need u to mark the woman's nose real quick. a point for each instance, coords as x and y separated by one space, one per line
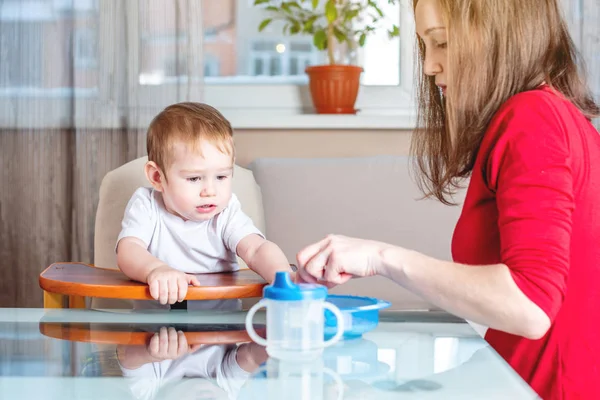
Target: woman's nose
431 65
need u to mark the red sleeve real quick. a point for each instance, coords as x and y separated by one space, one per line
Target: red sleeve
529 170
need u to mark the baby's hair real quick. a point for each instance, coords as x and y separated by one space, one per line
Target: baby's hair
188 123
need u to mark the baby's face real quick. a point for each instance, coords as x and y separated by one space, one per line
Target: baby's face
198 186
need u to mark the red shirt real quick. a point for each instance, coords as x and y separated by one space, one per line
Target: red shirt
533 203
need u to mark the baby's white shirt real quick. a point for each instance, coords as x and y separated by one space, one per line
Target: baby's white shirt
217 363
188 246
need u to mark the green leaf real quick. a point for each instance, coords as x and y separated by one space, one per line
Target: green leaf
315 4
320 39
331 11
362 39
272 8
378 10
293 20
258 2
264 24
309 24
339 35
351 15
394 32
295 28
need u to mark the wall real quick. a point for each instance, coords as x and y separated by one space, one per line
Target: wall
251 144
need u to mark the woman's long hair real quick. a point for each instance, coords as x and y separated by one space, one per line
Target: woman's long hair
496 49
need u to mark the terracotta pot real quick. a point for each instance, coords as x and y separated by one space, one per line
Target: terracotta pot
334 88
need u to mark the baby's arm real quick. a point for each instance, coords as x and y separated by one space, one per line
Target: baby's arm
250 356
263 257
236 365
166 284
134 259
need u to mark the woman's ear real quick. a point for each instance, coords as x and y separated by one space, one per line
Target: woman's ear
154 175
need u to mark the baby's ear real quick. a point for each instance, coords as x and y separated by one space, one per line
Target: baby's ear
154 175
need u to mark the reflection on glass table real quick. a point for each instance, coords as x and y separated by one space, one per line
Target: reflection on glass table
76 354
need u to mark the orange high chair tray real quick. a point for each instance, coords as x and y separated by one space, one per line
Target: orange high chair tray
70 282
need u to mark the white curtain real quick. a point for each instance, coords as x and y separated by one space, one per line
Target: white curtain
79 82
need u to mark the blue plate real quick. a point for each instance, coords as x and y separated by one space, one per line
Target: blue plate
361 314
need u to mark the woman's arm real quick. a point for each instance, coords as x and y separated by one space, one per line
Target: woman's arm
529 170
487 295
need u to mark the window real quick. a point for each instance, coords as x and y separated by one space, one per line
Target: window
37 35
85 48
276 63
212 66
281 58
160 51
22 42
246 71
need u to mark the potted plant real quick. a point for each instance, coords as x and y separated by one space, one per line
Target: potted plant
338 27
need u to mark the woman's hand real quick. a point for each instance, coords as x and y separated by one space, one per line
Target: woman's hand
336 259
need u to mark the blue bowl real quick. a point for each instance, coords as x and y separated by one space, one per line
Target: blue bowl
361 314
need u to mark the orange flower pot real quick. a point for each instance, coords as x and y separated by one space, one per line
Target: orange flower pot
334 88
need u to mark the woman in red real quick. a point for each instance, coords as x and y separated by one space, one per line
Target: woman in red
514 116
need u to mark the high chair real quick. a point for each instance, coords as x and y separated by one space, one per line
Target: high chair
102 285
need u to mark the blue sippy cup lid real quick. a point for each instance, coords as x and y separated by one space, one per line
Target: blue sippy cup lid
284 289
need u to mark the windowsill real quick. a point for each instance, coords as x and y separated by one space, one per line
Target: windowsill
52 114
54 110
360 121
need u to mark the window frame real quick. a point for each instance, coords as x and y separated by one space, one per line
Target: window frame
290 99
248 104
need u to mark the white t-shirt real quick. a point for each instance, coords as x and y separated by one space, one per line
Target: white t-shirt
216 363
188 246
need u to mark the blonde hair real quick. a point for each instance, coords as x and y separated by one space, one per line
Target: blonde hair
188 123
496 49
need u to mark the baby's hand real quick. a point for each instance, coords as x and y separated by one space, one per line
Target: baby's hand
250 356
168 285
169 344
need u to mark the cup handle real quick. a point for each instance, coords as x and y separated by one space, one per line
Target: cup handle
340 324
338 381
250 328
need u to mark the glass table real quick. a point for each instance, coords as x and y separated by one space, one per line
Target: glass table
121 354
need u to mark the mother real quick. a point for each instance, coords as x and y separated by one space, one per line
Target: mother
502 102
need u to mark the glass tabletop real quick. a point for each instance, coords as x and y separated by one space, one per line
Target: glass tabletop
117 354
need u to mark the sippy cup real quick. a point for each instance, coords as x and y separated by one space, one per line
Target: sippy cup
295 319
301 380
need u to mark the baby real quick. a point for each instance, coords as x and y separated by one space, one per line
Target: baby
190 222
168 367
